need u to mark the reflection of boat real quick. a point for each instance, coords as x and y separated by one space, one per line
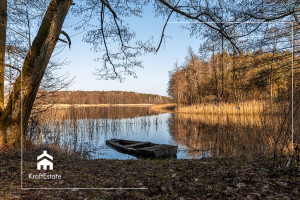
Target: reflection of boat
143 149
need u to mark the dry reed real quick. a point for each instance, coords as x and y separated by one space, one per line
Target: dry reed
243 108
166 107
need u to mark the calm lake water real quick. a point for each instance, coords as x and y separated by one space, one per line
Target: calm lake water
87 128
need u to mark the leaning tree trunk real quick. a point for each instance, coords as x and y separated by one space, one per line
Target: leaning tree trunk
3 24
36 61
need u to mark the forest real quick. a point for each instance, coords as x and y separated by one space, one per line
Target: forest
248 76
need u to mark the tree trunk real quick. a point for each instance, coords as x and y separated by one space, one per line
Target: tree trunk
34 67
3 24
222 67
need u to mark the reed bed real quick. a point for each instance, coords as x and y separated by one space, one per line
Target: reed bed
166 107
224 120
243 108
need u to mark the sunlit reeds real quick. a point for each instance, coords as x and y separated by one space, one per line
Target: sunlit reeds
243 108
225 120
166 107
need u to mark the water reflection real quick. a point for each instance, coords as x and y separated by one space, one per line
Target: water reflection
225 135
96 112
87 129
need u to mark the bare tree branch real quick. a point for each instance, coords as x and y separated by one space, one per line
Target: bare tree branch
221 31
163 31
104 40
68 38
7 65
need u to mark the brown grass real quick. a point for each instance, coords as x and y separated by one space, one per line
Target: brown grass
244 108
166 107
225 120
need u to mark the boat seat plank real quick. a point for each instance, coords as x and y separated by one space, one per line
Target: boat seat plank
137 144
158 147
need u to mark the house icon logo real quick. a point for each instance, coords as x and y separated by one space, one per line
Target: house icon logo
44 163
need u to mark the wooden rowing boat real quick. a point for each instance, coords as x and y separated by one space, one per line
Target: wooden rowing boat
143 149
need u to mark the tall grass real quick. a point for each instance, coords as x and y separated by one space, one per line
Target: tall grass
166 107
234 120
243 108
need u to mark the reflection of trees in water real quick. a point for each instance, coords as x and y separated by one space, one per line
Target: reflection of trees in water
226 135
110 112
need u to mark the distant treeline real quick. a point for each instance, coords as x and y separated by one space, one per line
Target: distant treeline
106 97
233 78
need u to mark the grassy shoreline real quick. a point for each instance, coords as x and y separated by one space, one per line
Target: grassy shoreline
166 107
207 178
242 108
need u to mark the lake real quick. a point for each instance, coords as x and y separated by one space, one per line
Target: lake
86 129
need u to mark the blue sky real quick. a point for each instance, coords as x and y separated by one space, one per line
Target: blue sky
153 78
